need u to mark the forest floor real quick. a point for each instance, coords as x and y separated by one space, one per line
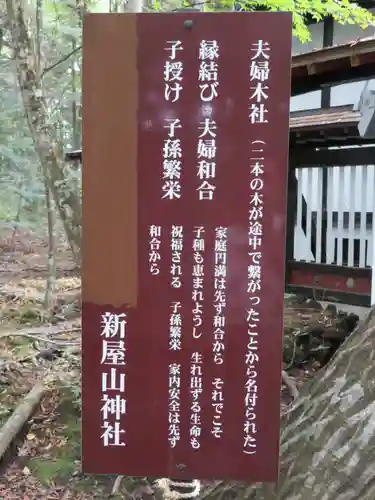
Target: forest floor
43 461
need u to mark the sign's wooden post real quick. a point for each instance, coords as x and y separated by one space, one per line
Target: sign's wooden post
185 147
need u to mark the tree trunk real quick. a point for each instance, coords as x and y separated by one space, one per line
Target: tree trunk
48 148
328 434
50 296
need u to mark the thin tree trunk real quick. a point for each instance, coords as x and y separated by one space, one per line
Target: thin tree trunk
17 218
49 298
47 145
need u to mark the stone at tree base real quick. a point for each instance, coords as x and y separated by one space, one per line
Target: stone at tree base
328 434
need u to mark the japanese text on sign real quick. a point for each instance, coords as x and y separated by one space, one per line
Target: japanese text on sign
188 247
196 389
174 404
254 280
173 71
259 74
154 249
206 149
172 164
198 280
220 298
113 379
177 242
208 69
206 155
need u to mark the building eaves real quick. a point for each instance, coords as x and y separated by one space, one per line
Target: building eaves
347 62
323 118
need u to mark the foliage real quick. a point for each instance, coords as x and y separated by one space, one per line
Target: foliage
342 11
21 181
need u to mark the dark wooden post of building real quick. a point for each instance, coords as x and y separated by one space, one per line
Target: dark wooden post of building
325 103
304 216
291 214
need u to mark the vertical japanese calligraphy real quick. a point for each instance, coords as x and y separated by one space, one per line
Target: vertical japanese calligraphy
254 282
154 249
259 72
173 71
175 327
172 154
174 404
220 297
206 149
198 280
208 69
177 241
196 389
206 154
113 379
218 345
217 395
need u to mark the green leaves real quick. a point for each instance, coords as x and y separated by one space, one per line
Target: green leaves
342 11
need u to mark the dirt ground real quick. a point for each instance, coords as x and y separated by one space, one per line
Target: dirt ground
43 462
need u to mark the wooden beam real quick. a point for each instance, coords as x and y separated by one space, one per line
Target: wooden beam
328 28
310 158
303 83
328 54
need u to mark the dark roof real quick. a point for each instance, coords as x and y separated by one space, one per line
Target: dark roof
335 116
347 62
337 126
353 47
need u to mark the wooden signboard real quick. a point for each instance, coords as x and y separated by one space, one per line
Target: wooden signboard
184 178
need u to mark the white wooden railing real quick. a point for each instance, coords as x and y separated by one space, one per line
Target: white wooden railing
349 215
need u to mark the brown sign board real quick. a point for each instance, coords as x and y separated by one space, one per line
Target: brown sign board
185 147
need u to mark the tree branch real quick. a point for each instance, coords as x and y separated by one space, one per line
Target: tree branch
62 60
291 385
20 416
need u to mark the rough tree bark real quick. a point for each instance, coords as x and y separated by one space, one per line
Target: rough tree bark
21 22
328 434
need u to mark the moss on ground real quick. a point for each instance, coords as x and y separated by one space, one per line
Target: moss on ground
62 461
